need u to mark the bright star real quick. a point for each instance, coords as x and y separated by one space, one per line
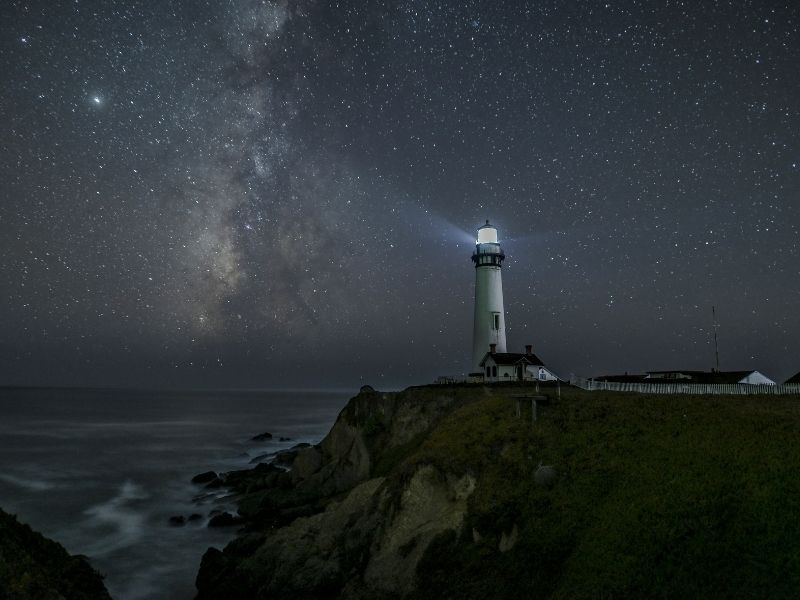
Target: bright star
97 100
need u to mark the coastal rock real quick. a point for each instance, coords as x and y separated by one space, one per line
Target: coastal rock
259 458
306 463
287 457
330 516
388 529
508 540
215 483
232 478
303 559
372 424
204 477
261 437
180 520
545 476
214 576
200 498
340 462
225 519
430 503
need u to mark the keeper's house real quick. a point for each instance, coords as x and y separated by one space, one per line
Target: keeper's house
512 366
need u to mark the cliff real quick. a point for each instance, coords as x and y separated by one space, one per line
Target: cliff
32 566
443 491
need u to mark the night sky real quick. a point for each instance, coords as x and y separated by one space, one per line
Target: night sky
285 194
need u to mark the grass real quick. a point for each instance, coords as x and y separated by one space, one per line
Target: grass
656 496
32 566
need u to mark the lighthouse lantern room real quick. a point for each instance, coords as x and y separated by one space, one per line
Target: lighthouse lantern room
489 324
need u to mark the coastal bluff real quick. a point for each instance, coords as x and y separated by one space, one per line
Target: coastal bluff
37 568
455 491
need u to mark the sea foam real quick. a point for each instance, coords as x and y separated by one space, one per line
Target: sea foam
34 485
123 522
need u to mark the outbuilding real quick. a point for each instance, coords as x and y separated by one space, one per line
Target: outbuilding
708 377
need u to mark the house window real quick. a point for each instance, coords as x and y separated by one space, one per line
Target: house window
496 321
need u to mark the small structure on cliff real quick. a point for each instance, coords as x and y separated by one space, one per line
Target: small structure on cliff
512 366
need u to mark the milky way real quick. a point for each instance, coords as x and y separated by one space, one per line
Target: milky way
255 193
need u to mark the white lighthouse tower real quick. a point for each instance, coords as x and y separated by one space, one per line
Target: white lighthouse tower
489 325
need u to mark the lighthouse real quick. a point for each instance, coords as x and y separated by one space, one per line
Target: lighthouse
489 324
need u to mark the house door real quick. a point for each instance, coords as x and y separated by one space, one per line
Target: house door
520 372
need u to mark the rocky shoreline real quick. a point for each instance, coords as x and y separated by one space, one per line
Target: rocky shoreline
311 517
211 483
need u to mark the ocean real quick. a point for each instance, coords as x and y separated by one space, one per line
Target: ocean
102 471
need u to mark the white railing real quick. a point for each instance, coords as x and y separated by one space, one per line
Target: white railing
685 388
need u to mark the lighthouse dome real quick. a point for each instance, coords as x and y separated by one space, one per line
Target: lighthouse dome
487 234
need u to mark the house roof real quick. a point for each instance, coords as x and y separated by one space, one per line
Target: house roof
795 379
622 378
708 377
712 377
512 358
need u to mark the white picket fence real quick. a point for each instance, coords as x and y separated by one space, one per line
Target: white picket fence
685 388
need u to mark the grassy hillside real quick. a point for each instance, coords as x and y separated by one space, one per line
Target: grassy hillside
652 496
32 566
655 496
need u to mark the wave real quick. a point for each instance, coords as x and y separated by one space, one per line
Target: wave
126 523
35 485
147 583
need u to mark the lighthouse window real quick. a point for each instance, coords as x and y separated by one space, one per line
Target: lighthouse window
496 320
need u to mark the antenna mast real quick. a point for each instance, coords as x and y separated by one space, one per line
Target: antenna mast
716 326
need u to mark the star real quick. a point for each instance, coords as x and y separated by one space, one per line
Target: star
237 176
